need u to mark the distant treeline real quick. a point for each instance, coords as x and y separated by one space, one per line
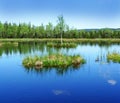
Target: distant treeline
23 30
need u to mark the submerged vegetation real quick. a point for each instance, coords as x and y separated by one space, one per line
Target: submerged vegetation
115 57
64 45
53 60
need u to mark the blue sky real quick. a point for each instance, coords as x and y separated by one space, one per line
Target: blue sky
77 13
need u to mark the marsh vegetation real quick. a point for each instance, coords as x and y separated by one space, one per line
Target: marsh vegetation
53 60
114 57
64 45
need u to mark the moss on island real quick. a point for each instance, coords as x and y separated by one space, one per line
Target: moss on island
64 45
115 57
53 60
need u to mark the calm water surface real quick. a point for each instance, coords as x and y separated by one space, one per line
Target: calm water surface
93 82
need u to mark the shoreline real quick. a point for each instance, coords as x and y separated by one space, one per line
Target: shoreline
58 39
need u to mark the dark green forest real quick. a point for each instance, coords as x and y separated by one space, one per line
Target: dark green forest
27 30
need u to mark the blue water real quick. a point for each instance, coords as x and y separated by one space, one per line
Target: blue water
93 82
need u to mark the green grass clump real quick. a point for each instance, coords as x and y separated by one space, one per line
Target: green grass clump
53 60
64 45
115 57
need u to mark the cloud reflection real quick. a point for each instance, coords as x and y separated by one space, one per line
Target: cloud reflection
60 92
112 82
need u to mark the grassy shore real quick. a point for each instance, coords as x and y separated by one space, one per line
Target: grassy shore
58 40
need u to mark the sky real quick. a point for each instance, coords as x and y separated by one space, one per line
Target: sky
80 14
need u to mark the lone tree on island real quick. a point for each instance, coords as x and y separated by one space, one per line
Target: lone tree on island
61 24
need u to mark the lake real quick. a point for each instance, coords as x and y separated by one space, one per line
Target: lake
97 81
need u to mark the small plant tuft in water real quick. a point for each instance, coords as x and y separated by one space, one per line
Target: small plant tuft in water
64 45
53 60
115 57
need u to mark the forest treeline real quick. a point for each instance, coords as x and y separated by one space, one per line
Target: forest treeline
26 30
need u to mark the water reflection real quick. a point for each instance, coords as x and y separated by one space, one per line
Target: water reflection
60 92
8 48
99 43
29 47
32 47
22 48
59 85
107 74
59 71
112 82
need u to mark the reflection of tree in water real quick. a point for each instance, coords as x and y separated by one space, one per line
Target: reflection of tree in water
60 50
59 71
52 50
22 48
99 43
28 47
66 70
1 52
8 49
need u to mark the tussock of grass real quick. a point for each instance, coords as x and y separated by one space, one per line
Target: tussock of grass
64 45
115 57
53 60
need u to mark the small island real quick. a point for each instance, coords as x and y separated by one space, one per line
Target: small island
53 60
64 45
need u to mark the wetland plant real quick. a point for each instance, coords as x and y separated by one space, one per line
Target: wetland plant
53 60
64 45
114 57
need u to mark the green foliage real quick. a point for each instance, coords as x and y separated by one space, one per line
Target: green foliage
53 60
49 30
60 30
64 45
115 57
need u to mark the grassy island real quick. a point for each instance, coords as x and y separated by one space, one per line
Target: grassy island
53 60
115 57
64 45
